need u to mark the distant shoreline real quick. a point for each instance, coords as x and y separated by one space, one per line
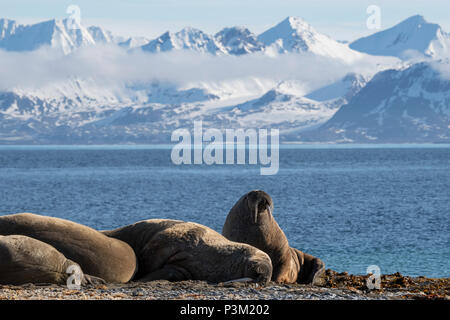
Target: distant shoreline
283 146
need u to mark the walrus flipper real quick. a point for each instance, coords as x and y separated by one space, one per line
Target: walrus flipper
88 279
312 269
319 272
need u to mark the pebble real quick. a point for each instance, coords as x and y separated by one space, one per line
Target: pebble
197 290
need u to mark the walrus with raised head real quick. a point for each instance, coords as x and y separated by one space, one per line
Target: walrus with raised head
251 221
175 250
27 260
97 255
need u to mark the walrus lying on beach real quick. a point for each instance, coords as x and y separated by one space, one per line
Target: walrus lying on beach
97 255
175 250
27 260
251 221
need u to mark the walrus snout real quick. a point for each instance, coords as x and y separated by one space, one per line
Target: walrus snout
259 201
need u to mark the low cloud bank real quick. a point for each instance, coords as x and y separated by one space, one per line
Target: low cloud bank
111 65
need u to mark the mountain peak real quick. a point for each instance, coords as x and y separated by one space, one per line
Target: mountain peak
296 23
396 105
61 23
229 32
417 22
236 28
186 39
417 19
101 35
238 40
190 30
412 34
292 24
293 31
5 21
7 27
56 33
293 34
133 42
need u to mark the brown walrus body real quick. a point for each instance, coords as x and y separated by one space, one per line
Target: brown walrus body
175 250
27 260
250 221
98 255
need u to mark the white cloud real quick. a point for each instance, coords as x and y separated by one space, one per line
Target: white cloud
443 67
111 65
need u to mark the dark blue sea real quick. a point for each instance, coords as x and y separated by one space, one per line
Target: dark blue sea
352 206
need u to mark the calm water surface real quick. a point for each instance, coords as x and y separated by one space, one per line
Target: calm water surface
353 206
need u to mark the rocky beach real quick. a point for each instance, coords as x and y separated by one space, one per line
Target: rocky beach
336 286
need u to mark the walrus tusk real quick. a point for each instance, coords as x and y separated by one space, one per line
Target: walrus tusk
269 210
239 280
256 214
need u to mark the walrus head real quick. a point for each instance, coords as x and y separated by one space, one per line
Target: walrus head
259 267
259 202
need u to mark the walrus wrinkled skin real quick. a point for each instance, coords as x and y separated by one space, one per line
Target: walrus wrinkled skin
97 255
251 221
175 250
27 260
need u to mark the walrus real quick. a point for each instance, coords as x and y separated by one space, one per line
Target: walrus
251 221
176 250
97 255
27 260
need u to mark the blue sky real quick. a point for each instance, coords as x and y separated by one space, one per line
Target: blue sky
342 20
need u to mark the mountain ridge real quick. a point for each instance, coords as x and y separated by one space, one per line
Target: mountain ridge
410 104
410 95
412 35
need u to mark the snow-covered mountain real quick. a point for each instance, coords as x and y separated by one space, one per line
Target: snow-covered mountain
291 35
62 35
102 36
345 88
133 42
295 35
82 112
238 41
186 39
411 36
406 103
284 107
7 28
411 104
